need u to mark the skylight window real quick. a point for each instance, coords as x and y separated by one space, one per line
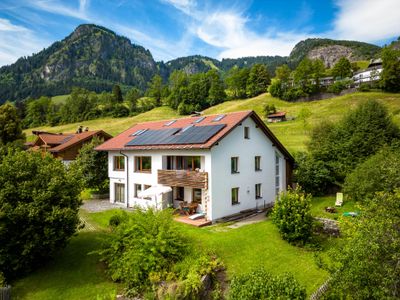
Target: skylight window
218 118
170 123
199 120
139 132
186 128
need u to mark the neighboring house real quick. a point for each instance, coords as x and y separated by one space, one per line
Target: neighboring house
371 73
279 116
65 146
225 163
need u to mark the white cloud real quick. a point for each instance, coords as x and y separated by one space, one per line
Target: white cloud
56 7
183 5
17 41
367 20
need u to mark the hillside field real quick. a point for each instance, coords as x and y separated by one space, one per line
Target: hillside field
293 134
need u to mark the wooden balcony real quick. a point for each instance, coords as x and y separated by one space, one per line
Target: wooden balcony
194 179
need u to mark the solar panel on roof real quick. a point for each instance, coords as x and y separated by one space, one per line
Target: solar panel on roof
186 128
218 118
192 135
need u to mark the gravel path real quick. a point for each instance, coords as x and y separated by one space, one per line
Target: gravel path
101 205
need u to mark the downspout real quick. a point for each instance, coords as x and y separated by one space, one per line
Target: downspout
127 178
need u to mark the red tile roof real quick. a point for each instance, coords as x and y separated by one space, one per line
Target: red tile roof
78 138
277 115
54 139
231 120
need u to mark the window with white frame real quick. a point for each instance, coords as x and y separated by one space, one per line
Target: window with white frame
119 192
258 191
235 196
277 174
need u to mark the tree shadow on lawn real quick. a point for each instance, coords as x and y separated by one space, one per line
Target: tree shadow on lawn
73 274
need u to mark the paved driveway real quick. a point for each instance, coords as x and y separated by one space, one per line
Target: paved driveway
101 205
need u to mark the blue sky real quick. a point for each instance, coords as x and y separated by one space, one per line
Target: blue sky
220 29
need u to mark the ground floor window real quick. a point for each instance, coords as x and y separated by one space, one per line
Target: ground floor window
277 174
119 189
258 191
145 188
137 190
196 196
235 195
179 193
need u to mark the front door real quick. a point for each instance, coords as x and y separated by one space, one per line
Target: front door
119 192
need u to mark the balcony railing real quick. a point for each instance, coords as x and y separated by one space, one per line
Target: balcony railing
194 179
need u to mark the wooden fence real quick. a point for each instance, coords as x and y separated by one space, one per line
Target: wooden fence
5 293
321 290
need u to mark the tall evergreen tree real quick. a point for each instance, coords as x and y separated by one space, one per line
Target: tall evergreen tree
216 93
117 94
342 68
10 125
258 80
390 77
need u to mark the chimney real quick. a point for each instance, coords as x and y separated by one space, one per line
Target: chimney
79 130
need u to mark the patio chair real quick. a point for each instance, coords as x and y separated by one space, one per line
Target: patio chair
339 199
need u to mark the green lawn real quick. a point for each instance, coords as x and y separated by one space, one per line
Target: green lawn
73 274
319 204
293 134
77 274
59 99
247 247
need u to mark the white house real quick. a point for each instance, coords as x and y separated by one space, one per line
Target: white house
371 73
219 164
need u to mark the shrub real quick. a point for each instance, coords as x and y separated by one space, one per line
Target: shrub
39 203
275 89
120 110
260 284
366 266
364 87
379 173
147 242
292 216
312 175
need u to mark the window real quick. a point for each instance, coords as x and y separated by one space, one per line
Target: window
258 191
277 174
179 192
196 197
218 118
170 123
257 163
138 189
188 162
235 196
247 132
143 164
145 188
234 165
199 120
119 192
119 163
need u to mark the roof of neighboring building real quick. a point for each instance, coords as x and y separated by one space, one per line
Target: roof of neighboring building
58 142
277 114
78 138
223 126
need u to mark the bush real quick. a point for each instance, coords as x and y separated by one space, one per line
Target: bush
364 87
379 173
146 242
312 175
292 216
339 86
260 284
120 110
275 89
39 203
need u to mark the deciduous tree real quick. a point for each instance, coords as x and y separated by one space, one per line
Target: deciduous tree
10 125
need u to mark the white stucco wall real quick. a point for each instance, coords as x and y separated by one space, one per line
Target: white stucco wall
148 178
222 181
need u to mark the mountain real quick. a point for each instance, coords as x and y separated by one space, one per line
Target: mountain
96 58
92 56
330 51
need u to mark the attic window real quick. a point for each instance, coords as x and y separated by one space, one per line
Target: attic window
199 120
139 132
218 118
170 123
